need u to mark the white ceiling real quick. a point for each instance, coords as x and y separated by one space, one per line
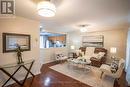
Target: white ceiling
99 14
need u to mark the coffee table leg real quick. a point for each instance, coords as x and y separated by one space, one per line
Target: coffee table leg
101 75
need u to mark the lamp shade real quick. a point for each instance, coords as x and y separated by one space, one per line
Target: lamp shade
72 47
46 9
113 50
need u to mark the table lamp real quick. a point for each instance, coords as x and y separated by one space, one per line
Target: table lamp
72 51
72 47
113 51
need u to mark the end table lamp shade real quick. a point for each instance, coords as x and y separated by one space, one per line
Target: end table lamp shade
113 51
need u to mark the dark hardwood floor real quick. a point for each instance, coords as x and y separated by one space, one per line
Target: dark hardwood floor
51 78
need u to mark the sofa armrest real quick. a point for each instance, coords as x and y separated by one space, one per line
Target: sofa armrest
94 59
98 62
103 59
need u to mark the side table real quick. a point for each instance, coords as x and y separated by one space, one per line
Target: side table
11 76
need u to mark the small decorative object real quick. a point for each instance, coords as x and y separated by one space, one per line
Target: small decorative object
19 54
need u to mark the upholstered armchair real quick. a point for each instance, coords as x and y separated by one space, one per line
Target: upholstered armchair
106 70
60 57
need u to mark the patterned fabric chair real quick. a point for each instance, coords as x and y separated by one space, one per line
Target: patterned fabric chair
60 57
106 70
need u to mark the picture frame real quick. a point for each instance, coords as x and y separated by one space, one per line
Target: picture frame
11 40
93 41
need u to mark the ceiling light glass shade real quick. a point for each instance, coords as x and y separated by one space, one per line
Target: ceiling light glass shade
46 9
83 29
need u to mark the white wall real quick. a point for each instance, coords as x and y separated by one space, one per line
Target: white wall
48 54
112 38
22 26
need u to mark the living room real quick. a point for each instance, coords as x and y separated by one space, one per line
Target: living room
84 26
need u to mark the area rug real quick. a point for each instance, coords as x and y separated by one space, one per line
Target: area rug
90 77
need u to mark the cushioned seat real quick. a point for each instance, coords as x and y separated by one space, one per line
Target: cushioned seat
106 70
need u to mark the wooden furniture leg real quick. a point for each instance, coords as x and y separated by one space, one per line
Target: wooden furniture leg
27 73
11 76
101 75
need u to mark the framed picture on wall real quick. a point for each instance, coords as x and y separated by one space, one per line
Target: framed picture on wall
11 40
93 41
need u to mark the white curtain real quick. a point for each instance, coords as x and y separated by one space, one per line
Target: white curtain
127 67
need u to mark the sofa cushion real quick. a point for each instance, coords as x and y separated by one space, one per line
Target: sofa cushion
79 53
98 55
87 57
89 51
95 55
101 54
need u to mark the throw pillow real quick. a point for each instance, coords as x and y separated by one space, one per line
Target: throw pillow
101 54
95 55
114 67
89 51
98 55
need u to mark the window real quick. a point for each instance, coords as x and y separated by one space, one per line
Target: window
48 40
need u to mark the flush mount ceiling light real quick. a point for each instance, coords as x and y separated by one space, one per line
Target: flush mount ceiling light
83 28
46 9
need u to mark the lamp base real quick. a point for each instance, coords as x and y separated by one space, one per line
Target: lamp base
113 57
